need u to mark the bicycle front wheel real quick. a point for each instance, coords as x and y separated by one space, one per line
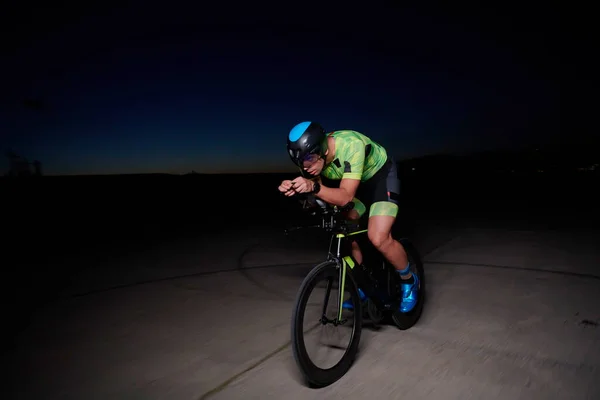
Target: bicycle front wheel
322 315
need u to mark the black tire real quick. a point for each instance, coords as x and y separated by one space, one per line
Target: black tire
315 376
407 320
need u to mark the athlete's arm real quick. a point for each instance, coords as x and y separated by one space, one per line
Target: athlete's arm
341 196
353 162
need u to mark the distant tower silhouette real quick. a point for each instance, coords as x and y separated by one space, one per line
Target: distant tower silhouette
37 168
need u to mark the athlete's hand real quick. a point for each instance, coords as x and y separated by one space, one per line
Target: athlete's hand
303 185
286 188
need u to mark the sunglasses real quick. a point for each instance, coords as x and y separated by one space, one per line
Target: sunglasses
310 158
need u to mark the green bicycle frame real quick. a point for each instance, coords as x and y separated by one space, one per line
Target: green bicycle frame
346 261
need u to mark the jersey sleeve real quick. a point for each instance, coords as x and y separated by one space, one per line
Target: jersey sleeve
354 160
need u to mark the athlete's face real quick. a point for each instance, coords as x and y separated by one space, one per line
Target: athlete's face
313 164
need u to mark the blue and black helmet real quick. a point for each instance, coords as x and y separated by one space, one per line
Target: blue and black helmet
305 139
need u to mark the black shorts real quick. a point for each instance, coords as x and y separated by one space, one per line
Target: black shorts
380 195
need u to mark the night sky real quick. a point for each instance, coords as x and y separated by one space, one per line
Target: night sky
162 88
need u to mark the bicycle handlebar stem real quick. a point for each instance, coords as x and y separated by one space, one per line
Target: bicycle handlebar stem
330 215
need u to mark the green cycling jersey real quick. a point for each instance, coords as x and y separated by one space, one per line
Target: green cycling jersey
356 157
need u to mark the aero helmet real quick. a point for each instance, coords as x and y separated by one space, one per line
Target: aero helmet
305 139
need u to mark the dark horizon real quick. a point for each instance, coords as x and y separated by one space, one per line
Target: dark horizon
551 159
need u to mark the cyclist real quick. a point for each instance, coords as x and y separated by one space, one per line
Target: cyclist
365 171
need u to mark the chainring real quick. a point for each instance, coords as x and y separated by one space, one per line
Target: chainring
375 315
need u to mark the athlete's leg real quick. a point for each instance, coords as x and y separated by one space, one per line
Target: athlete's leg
380 234
356 253
354 215
379 231
382 216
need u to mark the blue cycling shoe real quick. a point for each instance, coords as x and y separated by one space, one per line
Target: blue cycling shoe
410 294
348 303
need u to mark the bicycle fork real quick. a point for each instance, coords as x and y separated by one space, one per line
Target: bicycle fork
342 263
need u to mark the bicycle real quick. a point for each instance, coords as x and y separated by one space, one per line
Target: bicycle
379 282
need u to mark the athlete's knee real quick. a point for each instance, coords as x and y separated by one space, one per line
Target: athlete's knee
353 215
357 210
380 238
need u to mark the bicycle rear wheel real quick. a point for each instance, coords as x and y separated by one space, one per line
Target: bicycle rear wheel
352 321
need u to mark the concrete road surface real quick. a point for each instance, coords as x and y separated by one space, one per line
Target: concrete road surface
511 314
